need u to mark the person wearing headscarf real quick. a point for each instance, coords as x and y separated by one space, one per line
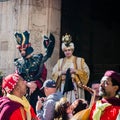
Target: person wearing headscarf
31 66
14 105
108 108
70 71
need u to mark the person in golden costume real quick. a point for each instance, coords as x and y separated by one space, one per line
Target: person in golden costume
70 71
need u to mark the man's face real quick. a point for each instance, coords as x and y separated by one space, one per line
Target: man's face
95 86
22 86
49 91
68 52
23 52
106 88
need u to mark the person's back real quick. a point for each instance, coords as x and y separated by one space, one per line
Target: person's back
45 106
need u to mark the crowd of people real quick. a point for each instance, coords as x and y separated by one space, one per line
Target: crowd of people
26 94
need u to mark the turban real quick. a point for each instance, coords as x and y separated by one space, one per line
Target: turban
9 82
114 75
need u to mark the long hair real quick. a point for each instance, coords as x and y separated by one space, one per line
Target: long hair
60 109
82 104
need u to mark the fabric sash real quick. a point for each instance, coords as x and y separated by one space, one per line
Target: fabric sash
5 109
99 109
24 103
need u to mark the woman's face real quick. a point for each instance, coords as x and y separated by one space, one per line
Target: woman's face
68 52
74 104
69 109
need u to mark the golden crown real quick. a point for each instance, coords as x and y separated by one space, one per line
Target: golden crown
66 39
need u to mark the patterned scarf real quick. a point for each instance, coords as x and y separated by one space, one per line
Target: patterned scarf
22 101
99 109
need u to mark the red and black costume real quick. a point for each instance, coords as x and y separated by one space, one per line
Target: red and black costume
33 68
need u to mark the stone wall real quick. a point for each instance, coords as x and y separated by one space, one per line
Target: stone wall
39 17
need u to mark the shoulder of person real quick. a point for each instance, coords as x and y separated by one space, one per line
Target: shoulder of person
37 55
50 102
79 58
18 61
10 105
54 97
60 60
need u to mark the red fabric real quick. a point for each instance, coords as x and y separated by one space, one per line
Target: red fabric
114 75
110 112
16 115
44 73
9 82
43 77
5 107
10 110
23 46
39 85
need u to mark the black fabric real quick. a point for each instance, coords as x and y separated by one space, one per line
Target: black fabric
34 97
49 44
29 50
68 82
30 69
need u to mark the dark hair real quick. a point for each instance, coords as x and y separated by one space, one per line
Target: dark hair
81 106
114 82
60 109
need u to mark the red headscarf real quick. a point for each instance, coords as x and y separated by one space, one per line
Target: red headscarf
114 75
9 82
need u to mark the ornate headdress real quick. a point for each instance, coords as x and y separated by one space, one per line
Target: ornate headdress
23 42
66 42
114 75
9 82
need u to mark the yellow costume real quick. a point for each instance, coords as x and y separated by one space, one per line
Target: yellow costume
81 75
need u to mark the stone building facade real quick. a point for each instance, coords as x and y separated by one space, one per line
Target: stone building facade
39 17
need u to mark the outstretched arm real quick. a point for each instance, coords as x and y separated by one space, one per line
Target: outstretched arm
49 43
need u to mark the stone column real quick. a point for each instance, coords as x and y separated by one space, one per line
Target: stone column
39 17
